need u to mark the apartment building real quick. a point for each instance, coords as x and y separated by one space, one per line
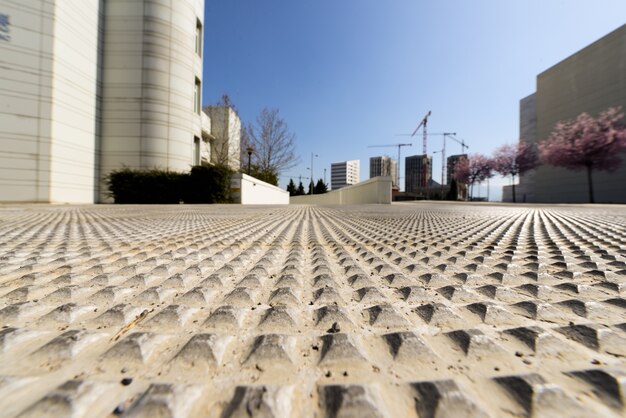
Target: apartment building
344 174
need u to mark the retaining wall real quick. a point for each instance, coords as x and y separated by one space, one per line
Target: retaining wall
374 190
248 190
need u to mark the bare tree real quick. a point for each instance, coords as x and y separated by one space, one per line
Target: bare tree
225 101
223 153
223 145
272 142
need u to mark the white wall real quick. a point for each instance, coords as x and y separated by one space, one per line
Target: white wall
26 101
48 93
149 71
248 190
226 136
75 87
374 190
80 98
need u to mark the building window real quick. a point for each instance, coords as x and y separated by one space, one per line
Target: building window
198 38
197 95
196 150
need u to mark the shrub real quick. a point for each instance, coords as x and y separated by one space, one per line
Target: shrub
201 185
208 184
453 193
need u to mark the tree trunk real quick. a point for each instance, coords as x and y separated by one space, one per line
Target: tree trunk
513 184
590 183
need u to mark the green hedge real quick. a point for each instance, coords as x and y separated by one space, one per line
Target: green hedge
208 185
200 185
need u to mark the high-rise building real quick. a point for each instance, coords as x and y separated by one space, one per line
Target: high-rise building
88 87
591 80
418 172
344 173
453 160
384 166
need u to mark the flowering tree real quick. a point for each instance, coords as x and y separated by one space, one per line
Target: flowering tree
475 169
587 143
515 160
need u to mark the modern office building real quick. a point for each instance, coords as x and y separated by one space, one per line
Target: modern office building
344 174
418 172
591 80
453 160
88 87
384 166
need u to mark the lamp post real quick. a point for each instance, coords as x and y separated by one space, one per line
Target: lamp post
312 176
249 150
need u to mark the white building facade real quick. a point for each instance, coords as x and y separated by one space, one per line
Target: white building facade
344 173
222 145
93 86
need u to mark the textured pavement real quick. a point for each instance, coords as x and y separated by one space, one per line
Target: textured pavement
372 311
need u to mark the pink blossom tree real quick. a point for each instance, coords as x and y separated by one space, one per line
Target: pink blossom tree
587 143
475 169
515 160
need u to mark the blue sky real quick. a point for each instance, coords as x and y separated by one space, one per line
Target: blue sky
352 73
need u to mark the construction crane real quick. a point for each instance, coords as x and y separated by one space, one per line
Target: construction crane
398 165
451 135
424 124
444 162
461 143
443 165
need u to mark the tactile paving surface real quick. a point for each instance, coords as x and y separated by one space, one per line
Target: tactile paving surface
417 310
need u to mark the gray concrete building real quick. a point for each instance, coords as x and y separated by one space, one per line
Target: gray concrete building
92 86
418 172
591 80
384 166
452 161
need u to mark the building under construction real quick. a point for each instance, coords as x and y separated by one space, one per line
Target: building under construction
385 166
453 160
418 172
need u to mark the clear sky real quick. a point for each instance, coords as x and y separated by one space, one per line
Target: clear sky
352 73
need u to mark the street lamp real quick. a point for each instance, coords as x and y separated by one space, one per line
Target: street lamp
249 150
312 176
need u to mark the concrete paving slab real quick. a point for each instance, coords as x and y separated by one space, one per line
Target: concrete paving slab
413 309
